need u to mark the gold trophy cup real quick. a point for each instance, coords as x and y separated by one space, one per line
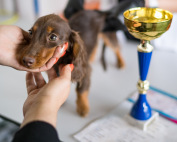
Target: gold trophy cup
145 24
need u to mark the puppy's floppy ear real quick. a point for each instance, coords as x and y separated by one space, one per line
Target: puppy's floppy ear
76 43
79 57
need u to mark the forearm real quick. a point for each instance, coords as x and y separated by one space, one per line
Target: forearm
170 5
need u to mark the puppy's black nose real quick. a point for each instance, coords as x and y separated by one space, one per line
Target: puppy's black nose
28 61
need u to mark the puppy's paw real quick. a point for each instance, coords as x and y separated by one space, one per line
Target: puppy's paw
121 64
82 109
82 105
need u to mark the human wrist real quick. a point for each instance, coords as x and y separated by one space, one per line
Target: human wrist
49 101
40 112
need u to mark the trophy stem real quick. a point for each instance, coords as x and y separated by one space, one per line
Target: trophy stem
141 109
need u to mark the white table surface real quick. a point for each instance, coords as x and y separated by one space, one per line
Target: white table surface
114 127
107 89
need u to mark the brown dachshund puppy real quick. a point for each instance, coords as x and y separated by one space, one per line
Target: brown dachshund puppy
45 36
51 31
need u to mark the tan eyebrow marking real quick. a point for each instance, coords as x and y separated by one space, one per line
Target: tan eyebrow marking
35 28
49 29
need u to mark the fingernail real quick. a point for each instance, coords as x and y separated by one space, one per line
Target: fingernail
56 60
65 46
63 54
63 49
72 67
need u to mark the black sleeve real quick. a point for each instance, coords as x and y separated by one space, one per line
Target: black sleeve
37 131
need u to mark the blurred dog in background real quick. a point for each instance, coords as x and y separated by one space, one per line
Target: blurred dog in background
111 24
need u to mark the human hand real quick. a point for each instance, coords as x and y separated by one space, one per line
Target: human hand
43 99
13 38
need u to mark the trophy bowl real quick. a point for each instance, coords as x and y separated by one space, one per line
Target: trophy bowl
147 23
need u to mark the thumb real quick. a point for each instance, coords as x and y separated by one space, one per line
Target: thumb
65 71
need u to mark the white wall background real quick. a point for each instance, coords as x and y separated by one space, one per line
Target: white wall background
27 11
26 8
7 5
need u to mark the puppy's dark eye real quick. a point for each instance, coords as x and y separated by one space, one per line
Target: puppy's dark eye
52 37
30 33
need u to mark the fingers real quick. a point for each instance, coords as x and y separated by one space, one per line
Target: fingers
48 65
59 51
65 71
30 85
57 54
51 74
40 82
60 67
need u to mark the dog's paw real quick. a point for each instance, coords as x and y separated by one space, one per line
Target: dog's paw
82 109
121 64
82 105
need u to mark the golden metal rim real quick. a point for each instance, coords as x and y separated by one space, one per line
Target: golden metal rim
148 8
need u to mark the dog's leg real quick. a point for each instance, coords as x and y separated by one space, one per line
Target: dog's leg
92 56
82 94
103 57
110 39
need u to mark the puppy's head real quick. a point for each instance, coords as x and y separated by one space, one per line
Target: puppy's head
47 33
45 36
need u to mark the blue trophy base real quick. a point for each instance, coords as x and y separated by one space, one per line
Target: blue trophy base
142 124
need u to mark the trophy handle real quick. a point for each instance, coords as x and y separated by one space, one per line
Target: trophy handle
141 110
